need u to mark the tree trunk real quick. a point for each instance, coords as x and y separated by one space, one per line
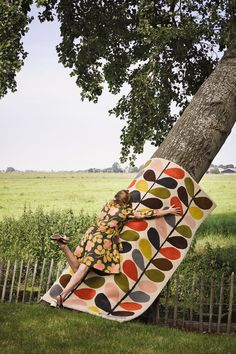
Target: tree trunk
205 124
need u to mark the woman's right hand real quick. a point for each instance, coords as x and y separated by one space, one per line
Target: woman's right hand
174 210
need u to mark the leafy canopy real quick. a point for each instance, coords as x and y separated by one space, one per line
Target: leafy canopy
163 50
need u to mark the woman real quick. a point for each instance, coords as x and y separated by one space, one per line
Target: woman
100 246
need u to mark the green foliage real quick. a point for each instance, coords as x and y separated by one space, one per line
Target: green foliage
164 50
208 262
14 21
28 236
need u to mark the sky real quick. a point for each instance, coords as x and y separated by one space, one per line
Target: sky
46 126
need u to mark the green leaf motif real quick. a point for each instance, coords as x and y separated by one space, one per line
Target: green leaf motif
145 247
189 186
184 230
129 235
94 282
155 275
160 192
122 281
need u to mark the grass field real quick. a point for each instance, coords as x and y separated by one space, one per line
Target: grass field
58 190
90 190
39 329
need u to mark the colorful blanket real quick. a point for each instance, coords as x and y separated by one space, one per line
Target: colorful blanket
152 248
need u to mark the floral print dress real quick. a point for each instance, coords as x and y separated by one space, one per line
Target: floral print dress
100 246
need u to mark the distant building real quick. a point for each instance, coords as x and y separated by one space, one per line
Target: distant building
219 170
108 169
95 170
228 170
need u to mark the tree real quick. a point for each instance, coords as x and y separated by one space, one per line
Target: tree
133 169
164 50
116 167
215 170
202 129
10 169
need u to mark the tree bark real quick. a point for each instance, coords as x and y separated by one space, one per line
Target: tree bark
198 135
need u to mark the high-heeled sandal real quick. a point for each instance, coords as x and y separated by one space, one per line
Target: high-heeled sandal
60 238
54 302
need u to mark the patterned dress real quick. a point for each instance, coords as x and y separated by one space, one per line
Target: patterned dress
100 246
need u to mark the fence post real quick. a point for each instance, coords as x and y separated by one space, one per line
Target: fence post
191 307
1 271
19 281
220 302
201 304
41 279
12 281
167 300
50 274
59 266
5 281
26 278
33 280
157 310
211 304
185 301
176 299
231 297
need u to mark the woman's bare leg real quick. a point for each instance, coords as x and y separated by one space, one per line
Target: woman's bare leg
74 280
72 259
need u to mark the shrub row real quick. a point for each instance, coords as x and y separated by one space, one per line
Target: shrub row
28 238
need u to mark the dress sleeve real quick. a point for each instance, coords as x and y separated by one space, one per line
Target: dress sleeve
137 214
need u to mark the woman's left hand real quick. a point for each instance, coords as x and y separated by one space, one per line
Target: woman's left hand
174 210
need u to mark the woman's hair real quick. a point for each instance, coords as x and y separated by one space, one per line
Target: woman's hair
118 198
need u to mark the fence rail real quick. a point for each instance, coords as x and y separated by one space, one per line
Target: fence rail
196 303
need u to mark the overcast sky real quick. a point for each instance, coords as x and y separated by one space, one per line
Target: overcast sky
46 126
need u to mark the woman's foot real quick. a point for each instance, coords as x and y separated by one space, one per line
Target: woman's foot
57 302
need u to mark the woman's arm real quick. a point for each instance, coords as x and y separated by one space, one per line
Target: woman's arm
155 212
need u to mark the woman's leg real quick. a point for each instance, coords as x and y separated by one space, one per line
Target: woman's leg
74 280
72 259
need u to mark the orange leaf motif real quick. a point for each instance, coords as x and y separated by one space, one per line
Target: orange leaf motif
175 172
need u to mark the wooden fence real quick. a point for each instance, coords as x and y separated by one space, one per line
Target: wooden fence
195 303
25 281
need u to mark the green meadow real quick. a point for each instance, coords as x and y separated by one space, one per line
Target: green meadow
89 191
58 190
